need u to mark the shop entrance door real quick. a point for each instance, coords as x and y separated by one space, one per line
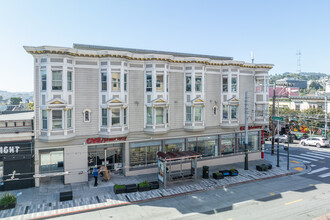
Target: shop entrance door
114 158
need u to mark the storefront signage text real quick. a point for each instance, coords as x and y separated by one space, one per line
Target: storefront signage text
9 149
250 127
104 140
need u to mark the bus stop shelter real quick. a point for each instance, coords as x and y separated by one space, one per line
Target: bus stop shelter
165 161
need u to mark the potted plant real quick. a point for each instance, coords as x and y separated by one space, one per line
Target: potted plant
7 201
154 185
217 176
119 189
144 186
233 172
225 172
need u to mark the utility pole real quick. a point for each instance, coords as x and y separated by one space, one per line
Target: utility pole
246 164
288 159
274 97
278 134
326 117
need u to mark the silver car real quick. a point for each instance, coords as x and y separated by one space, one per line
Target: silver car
315 141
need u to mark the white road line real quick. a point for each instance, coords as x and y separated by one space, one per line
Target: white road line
324 175
313 156
293 157
312 165
317 154
320 152
318 170
307 158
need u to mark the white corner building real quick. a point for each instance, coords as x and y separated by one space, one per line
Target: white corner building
97 105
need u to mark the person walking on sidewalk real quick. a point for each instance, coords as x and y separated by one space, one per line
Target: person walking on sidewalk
95 175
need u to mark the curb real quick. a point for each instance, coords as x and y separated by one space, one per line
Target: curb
157 198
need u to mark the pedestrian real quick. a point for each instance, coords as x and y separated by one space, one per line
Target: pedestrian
95 175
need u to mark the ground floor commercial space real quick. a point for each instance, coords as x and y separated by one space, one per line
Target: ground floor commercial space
16 165
74 162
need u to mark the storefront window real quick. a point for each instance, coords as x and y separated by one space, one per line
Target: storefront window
198 113
174 145
241 142
115 119
57 119
51 161
253 141
228 144
1 172
206 146
159 115
144 153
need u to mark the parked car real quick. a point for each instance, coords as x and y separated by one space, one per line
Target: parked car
315 141
304 136
281 138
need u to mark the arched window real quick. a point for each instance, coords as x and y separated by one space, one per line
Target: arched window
87 115
215 110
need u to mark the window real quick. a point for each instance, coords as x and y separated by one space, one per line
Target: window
104 117
198 84
57 80
51 160
104 83
44 119
188 113
87 116
125 82
214 110
43 80
159 115
174 145
198 113
259 111
234 112
115 82
125 116
57 119
188 83
259 85
69 118
149 115
149 83
115 118
1 173
159 83
228 144
144 153
225 112
225 84
69 80
167 83
207 146
234 84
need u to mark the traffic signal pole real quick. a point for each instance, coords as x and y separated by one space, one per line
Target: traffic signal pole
273 114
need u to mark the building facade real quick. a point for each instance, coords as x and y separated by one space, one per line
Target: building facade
99 105
297 83
16 151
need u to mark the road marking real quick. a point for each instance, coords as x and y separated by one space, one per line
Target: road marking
313 165
318 170
317 154
311 184
271 194
294 157
298 168
321 152
293 161
288 203
306 158
324 175
313 156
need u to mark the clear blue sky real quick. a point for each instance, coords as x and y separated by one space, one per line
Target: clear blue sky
273 29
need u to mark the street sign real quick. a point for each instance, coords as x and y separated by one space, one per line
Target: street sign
277 118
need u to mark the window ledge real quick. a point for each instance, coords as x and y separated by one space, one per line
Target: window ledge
229 124
194 128
55 138
157 130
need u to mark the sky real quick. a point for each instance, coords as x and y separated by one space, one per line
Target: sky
273 29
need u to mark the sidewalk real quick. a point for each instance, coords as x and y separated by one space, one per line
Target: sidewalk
44 201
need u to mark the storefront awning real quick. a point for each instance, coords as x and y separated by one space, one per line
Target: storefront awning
178 155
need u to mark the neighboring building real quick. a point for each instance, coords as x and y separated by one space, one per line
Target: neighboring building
120 106
16 151
283 91
306 102
298 83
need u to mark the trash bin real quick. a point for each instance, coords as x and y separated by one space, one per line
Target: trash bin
205 172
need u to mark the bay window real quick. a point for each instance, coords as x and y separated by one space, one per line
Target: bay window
104 82
69 118
188 113
159 115
104 117
69 80
259 110
234 112
149 115
198 113
125 116
225 112
225 84
125 82
57 117
188 83
44 119
115 86
260 85
159 83
149 83
234 84
198 83
115 117
43 80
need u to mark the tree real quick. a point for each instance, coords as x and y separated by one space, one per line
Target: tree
15 100
30 105
315 85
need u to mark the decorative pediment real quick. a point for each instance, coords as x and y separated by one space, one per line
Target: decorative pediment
233 101
159 102
115 102
197 101
56 102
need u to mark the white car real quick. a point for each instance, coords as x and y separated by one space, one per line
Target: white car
315 141
282 138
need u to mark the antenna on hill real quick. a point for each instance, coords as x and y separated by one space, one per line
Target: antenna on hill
298 61
252 56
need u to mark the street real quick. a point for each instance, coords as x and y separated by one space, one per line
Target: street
291 197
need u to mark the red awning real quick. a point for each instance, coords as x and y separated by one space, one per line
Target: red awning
178 155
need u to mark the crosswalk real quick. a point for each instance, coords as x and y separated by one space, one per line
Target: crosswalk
311 157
